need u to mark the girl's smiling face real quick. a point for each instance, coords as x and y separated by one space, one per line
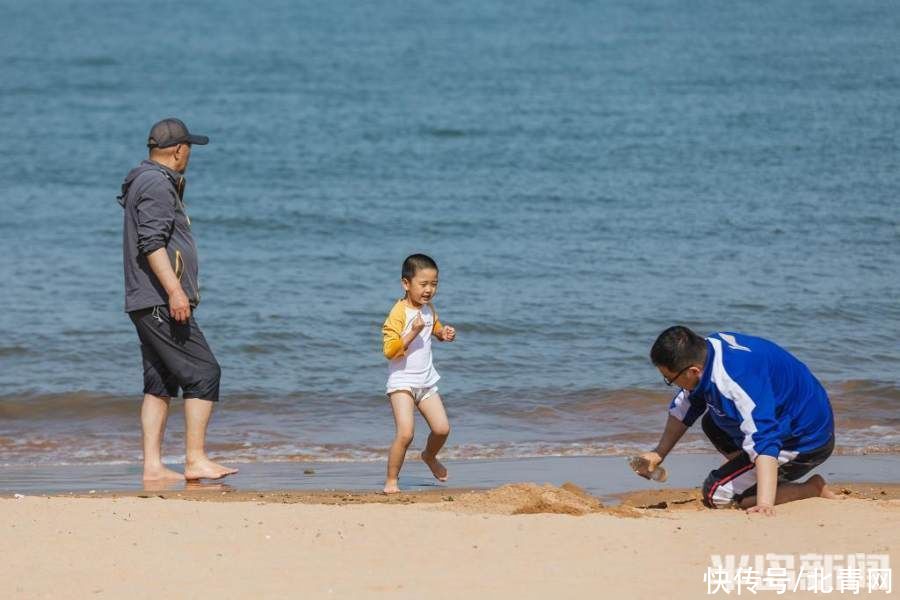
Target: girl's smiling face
422 288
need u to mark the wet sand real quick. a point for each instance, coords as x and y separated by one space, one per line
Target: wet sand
602 476
516 496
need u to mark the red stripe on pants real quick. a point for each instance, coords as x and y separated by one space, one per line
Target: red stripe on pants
726 479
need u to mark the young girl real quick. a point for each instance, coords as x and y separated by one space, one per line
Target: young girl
412 379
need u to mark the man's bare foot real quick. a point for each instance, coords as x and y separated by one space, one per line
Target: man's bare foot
161 473
206 469
391 487
819 482
437 468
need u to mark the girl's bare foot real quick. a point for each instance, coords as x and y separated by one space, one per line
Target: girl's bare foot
206 469
161 473
823 492
391 487
437 468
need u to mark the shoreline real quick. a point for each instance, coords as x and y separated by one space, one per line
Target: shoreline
658 499
604 477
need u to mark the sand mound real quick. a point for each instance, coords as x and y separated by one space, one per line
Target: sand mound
530 498
664 499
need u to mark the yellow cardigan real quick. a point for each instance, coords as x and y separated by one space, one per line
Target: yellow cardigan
392 330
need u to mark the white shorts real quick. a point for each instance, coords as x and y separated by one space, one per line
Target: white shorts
418 393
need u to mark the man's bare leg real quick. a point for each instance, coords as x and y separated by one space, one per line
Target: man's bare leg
814 487
154 414
402 404
196 464
432 408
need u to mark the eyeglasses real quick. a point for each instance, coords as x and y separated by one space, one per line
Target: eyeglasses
669 382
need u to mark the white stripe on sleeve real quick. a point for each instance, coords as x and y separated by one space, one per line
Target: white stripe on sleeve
680 406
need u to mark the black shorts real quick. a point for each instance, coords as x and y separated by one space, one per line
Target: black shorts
175 356
736 479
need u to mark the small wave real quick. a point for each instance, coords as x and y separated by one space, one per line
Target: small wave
125 451
48 408
488 328
98 428
262 349
14 351
446 132
248 223
95 61
90 332
857 404
748 306
26 90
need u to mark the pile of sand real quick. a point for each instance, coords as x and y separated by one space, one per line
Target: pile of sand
664 499
530 498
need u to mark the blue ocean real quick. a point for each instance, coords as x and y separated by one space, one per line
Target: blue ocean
584 173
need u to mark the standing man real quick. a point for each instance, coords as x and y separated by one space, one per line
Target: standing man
161 294
764 411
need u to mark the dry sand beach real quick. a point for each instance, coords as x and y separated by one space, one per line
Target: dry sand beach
515 541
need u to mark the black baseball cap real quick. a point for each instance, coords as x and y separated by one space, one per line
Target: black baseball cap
171 132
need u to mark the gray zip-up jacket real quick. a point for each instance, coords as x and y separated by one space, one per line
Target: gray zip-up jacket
155 218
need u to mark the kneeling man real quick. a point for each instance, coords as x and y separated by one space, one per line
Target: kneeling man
761 408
